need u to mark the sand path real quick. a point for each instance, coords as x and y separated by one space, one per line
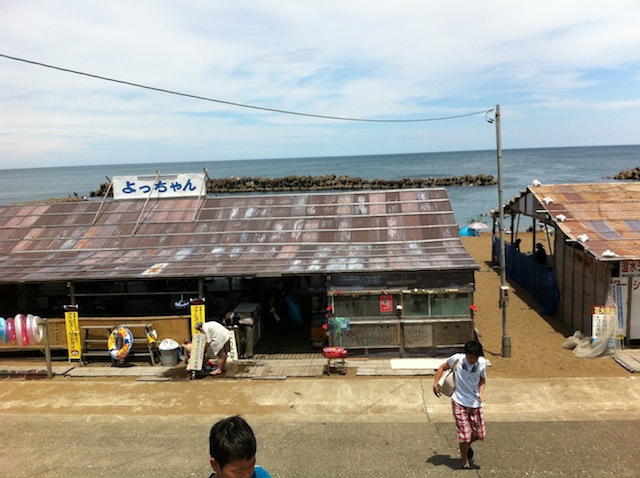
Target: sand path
536 340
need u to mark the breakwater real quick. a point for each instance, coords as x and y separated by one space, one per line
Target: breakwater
235 184
626 174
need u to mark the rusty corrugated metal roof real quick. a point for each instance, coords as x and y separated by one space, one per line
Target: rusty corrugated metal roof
231 236
608 213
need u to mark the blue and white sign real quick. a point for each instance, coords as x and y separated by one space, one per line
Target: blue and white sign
159 186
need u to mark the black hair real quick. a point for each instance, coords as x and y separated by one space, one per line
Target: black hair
473 348
232 439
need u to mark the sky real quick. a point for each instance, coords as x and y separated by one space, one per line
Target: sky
565 73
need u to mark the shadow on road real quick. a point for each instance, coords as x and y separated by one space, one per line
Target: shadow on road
448 461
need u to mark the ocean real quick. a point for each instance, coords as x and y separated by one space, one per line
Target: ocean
519 168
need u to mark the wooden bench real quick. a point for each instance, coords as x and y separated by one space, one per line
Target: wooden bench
108 329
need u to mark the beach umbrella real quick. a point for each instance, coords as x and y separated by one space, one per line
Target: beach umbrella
478 226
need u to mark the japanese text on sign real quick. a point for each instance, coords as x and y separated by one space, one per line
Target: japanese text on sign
629 268
161 186
618 293
603 310
600 315
197 316
73 334
199 343
603 323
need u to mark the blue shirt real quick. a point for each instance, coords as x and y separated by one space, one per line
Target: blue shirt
258 472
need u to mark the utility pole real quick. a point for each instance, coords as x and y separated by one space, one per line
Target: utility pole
504 288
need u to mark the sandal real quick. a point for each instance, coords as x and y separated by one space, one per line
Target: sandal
216 373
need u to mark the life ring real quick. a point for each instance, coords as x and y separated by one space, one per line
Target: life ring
120 343
34 328
3 331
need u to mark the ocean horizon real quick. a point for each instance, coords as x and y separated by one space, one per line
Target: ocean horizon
580 164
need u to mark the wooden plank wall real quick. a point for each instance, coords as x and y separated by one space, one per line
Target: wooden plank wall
174 327
584 283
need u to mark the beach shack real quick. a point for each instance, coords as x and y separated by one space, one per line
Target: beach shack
391 260
591 233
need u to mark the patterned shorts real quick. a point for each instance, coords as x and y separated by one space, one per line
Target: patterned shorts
469 423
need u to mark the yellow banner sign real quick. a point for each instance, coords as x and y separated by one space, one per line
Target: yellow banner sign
197 316
74 344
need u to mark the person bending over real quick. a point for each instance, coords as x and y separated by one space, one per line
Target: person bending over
232 447
218 344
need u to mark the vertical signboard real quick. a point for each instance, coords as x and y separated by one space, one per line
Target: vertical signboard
232 356
197 315
74 344
634 313
603 321
600 315
631 270
196 359
619 295
199 341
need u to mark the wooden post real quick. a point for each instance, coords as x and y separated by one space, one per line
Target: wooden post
47 346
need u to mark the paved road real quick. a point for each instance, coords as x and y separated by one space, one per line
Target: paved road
330 427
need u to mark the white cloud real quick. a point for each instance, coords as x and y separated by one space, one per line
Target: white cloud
356 59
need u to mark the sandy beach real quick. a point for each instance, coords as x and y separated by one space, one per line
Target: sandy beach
536 340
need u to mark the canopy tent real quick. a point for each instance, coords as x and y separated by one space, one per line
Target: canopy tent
469 231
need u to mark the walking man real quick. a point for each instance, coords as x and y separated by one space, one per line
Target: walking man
470 370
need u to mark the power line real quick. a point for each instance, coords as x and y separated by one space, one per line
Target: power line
242 105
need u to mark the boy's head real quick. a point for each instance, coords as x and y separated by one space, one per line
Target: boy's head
473 350
232 446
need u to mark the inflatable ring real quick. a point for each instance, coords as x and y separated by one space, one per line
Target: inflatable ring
3 331
11 332
37 329
21 330
29 327
34 329
334 352
26 340
120 343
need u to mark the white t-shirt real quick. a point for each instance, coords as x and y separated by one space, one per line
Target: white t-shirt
217 335
467 392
